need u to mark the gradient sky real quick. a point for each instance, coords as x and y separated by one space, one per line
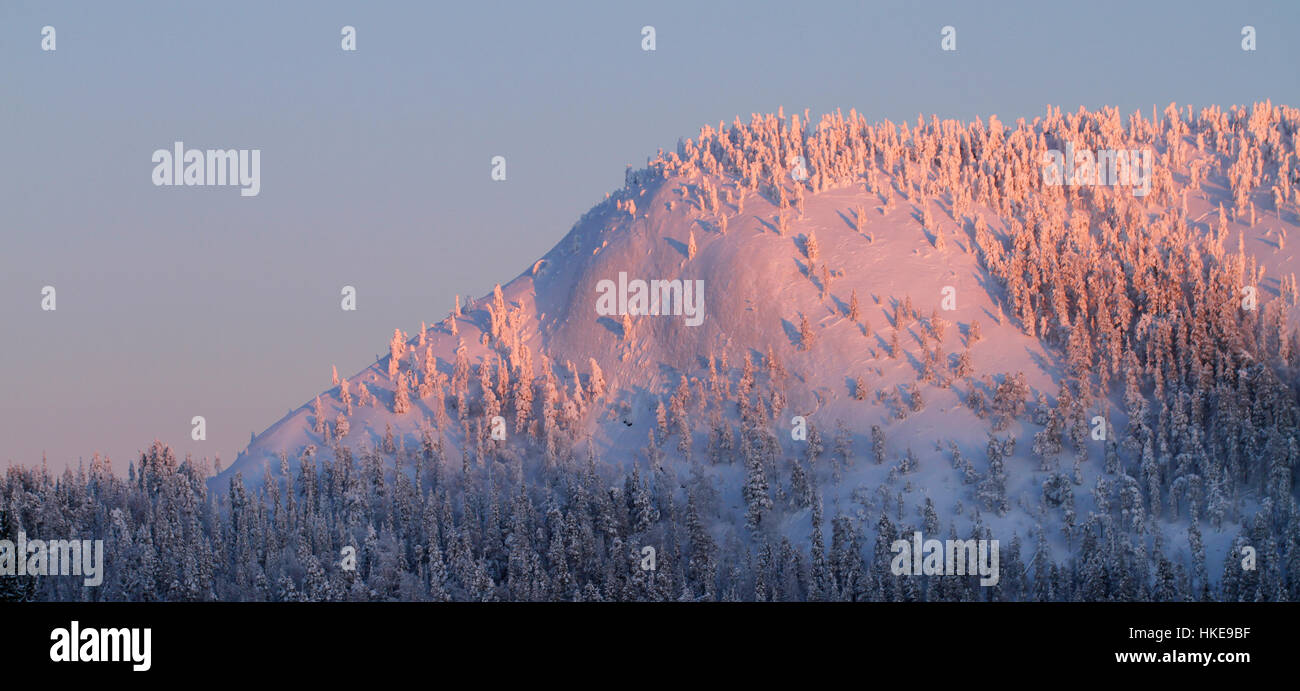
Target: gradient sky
175 302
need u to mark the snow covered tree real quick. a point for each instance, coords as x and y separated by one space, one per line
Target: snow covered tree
318 417
401 397
345 396
396 349
596 380
806 335
877 444
1009 400
916 402
757 497
993 489
811 249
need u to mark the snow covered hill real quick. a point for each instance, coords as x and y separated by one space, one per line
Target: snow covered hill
903 324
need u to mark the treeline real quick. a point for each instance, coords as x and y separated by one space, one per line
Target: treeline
421 532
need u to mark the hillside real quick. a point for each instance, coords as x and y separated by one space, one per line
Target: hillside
1000 317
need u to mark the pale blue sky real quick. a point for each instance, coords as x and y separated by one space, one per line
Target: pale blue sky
175 302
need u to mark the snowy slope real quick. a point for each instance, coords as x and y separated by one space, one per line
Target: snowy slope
759 283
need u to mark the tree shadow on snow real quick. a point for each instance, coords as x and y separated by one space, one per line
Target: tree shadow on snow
791 333
678 245
610 324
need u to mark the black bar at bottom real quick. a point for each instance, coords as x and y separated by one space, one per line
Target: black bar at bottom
340 640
